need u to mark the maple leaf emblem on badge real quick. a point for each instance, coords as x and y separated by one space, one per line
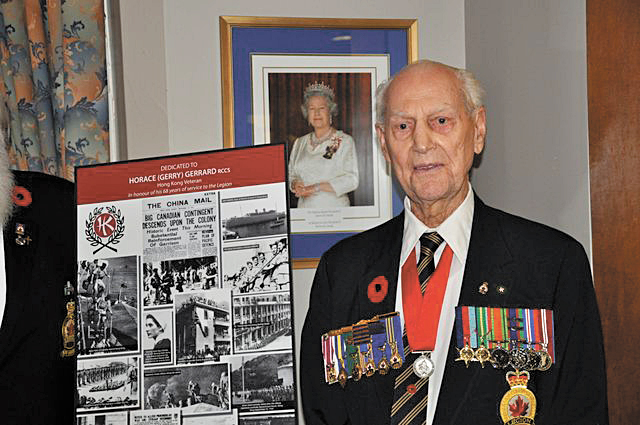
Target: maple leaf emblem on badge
104 227
518 408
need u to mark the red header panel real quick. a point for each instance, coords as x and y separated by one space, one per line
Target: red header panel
182 174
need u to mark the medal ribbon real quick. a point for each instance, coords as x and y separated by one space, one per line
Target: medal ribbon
327 351
461 318
506 327
341 364
422 312
473 329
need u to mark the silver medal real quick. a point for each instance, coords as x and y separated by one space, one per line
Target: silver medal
423 366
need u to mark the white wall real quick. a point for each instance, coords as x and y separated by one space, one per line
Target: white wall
531 57
171 54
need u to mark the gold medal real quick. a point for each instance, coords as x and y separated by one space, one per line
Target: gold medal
518 405
331 373
342 378
370 367
465 354
357 373
383 364
483 355
396 360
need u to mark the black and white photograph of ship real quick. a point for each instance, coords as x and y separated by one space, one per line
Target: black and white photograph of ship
254 211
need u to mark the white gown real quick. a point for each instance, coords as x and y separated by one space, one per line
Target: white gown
316 165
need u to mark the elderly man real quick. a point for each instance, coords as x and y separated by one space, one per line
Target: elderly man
37 373
431 122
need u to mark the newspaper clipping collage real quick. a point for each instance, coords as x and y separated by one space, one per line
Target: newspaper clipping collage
184 291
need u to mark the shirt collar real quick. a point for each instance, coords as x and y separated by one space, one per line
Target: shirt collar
455 230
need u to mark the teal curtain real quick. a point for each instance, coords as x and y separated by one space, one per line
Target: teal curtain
53 66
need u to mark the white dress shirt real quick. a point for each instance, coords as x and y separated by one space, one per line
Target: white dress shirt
456 232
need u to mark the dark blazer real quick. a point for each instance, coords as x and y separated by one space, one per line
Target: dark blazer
36 385
539 267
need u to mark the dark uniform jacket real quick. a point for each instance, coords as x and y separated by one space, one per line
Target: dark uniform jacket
539 268
37 385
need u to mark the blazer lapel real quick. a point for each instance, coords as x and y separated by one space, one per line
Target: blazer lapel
384 262
18 268
488 260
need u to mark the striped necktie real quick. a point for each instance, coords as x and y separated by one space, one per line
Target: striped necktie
410 394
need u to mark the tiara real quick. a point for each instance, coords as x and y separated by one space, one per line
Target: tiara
320 87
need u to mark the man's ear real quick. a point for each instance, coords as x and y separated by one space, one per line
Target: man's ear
480 130
383 142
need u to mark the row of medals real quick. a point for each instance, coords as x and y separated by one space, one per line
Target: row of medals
370 368
520 358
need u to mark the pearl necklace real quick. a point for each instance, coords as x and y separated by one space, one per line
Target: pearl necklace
315 141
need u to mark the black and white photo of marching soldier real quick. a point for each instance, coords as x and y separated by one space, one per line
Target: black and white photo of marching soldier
284 419
262 382
108 305
164 279
108 383
194 389
158 341
253 211
257 267
261 322
203 326
115 418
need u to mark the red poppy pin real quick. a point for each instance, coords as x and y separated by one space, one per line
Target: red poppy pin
21 196
377 289
412 389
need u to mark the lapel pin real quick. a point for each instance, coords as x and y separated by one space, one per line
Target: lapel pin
502 289
377 289
20 232
21 196
484 288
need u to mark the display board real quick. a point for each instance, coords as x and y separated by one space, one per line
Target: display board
184 310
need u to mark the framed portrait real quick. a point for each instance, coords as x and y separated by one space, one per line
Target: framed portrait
273 70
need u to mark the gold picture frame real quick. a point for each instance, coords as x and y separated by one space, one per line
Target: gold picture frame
242 37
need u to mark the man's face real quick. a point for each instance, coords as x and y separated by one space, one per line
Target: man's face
429 138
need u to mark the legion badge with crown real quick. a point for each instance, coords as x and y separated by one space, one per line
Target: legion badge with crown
518 405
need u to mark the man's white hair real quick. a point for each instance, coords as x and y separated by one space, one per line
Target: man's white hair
472 91
6 183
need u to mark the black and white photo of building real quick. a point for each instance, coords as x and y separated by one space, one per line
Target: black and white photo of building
262 322
203 326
